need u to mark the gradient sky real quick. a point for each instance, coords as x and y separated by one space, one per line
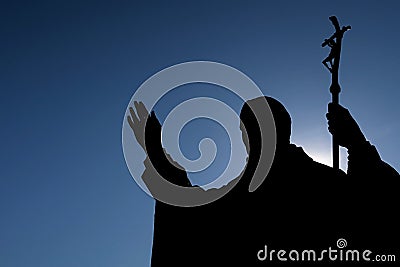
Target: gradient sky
69 68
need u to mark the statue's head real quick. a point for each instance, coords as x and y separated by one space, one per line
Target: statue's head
283 123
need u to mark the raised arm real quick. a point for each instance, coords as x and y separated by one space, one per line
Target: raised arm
171 224
364 159
147 131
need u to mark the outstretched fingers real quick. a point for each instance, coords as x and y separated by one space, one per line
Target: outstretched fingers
133 120
141 110
131 124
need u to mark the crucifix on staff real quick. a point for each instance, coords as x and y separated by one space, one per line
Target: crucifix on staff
335 43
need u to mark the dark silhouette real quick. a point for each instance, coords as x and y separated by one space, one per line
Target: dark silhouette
335 43
301 205
370 189
334 55
332 44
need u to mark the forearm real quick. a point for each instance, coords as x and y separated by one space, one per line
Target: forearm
165 167
158 158
364 159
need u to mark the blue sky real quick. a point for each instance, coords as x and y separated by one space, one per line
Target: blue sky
69 68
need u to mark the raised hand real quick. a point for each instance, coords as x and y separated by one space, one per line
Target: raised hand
137 122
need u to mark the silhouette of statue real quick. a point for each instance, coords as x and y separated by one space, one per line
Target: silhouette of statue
335 43
302 204
371 186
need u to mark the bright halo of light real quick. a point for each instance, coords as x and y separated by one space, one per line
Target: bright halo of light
320 156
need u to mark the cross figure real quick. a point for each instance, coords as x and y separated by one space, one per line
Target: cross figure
335 44
329 59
